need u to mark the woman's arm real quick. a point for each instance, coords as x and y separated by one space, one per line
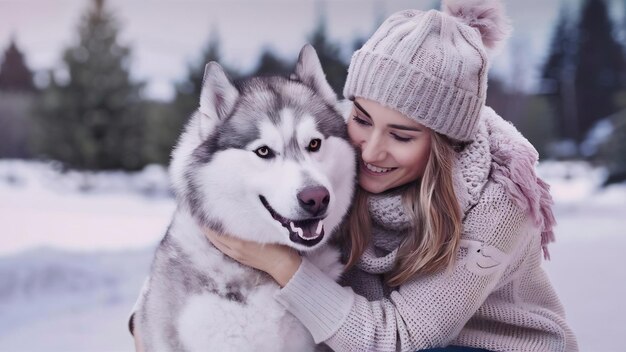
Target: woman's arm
427 311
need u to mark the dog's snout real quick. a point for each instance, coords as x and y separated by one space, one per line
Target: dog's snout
314 199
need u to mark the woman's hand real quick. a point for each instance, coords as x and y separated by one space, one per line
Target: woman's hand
281 262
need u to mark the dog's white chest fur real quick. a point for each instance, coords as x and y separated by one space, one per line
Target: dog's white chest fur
241 318
261 324
217 304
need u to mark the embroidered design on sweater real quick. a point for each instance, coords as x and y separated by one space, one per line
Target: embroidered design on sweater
482 259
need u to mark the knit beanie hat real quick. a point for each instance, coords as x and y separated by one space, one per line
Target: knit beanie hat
431 66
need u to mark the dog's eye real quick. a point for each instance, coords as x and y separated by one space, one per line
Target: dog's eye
315 145
264 152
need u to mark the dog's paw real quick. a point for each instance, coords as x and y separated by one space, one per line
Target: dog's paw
327 260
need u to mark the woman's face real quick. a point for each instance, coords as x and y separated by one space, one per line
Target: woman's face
393 149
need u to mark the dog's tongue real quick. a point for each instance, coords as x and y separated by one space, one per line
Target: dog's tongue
309 231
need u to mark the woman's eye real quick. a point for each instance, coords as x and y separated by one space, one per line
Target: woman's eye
264 152
314 145
401 139
360 121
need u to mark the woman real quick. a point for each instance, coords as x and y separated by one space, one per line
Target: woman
443 243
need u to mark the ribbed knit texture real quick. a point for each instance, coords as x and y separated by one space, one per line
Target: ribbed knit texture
496 297
428 66
324 318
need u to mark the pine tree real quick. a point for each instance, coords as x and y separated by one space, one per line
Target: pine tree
599 66
558 77
169 120
94 120
188 91
15 76
272 65
17 93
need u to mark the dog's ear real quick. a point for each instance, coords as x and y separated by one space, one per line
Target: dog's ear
309 71
218 95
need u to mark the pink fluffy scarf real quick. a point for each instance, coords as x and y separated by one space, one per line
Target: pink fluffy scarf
501 154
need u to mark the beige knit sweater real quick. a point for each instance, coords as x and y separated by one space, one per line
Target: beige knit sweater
496 296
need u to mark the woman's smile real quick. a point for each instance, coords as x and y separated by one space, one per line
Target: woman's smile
376 170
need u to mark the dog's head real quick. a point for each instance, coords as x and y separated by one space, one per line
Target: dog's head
267 160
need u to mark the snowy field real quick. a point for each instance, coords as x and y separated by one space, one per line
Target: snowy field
75 248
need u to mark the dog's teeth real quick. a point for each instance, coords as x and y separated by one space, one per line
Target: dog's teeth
297 230
320 226
300 231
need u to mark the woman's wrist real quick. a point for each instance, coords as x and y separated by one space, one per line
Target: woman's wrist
283 270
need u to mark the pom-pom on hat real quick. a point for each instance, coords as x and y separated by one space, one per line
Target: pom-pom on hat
432 66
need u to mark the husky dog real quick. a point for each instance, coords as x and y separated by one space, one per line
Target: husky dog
269 161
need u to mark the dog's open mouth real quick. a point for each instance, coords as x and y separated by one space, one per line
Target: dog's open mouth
308 232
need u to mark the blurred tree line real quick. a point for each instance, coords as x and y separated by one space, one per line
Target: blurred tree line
93 115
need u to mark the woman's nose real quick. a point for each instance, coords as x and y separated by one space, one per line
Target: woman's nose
373 149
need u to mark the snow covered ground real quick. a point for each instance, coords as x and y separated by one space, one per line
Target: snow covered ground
75 247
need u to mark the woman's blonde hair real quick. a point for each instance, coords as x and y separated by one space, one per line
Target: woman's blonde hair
430 202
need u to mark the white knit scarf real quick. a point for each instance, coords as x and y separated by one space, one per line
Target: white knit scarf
389 226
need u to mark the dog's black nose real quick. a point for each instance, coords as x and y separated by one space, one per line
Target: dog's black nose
314 199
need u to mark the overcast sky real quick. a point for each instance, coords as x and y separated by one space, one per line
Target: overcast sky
166 35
